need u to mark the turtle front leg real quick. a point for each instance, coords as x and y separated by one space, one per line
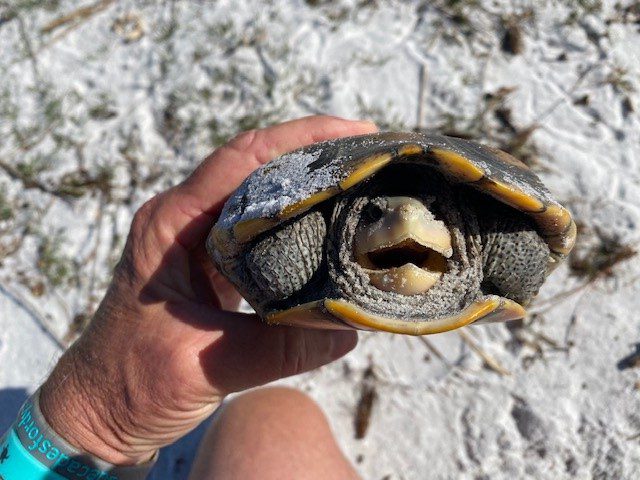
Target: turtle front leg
515 257
284 261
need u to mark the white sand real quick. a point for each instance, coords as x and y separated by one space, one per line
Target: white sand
565 411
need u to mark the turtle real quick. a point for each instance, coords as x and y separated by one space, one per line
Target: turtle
403 232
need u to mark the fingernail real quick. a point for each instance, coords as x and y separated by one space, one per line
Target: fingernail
368 124
343 342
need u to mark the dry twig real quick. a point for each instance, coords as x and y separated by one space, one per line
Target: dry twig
422 87
432 348
368 397
488 360
76 16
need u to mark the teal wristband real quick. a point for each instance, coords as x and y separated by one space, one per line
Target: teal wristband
16 462
32 450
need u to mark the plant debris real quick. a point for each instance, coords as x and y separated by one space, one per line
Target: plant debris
489 362
600 258
630 361
129 27
366 403
76 16
512 39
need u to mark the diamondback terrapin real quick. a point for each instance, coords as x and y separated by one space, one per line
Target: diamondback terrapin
402 232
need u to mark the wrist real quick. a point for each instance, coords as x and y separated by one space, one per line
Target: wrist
79 410
32 449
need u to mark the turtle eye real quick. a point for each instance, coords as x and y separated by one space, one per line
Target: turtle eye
372 213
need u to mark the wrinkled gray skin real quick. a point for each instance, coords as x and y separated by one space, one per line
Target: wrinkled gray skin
496 250
284 261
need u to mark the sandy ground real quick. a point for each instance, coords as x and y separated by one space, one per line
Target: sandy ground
100 107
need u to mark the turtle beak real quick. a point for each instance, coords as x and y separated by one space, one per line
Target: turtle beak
405 250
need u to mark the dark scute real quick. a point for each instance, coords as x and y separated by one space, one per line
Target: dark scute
283 261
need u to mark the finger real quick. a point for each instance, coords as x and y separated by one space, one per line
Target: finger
209 284
229 297
251 353
222 172
197 201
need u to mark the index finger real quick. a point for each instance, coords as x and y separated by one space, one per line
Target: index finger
223 171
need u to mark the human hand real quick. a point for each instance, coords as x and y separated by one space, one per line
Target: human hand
165 346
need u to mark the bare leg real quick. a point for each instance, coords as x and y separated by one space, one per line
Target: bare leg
271 433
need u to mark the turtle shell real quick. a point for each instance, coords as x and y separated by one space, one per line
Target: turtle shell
298 181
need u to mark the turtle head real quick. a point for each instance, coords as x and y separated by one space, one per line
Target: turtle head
401 245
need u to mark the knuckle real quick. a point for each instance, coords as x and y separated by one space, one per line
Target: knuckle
134 256
294 353
245 140
252 144
144 214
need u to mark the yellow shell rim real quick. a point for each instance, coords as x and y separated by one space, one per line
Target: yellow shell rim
336 314
554 221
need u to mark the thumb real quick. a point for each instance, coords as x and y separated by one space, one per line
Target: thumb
247 352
